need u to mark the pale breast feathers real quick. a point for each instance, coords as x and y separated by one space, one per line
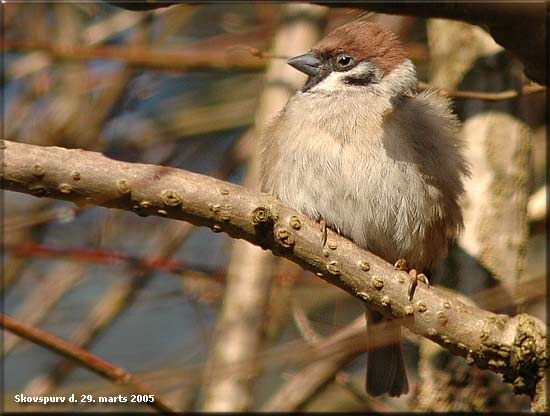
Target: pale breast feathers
391 185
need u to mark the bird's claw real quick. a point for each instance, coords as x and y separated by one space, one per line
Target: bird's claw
415 277
324 232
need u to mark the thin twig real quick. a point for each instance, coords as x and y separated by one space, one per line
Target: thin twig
43 297
487 96
84 358
99 256
186 59
250 58
304 325
30 219
119 297
335 372
343 380
306 383
311 336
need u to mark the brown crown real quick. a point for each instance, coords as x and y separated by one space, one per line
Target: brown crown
364 40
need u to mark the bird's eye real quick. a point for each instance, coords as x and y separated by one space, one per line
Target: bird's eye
344 61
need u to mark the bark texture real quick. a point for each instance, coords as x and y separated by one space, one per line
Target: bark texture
513 346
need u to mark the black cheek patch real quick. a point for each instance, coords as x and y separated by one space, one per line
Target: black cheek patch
361 79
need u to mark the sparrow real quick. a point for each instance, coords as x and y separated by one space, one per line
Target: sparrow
360 149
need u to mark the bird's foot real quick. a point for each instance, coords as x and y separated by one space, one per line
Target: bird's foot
415 277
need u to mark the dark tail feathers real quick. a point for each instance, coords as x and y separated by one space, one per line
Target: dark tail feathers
385 366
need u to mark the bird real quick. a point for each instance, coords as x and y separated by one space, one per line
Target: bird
361 150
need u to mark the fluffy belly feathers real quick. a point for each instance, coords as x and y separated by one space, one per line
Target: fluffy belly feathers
361 203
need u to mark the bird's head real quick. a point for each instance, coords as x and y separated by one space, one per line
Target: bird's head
357 56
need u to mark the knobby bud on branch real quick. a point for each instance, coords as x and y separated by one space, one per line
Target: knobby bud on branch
513 346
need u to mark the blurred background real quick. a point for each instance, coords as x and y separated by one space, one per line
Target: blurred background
207 322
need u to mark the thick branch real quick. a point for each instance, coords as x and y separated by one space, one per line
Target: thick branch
519 27
513 346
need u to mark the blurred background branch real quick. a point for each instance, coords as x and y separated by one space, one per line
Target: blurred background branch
99 366
518 27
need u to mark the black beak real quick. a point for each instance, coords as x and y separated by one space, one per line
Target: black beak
307 63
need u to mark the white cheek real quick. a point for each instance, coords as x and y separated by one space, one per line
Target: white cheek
333 82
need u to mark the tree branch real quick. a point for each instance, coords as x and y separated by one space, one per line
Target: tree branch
186 59
303 385
487 96
84 358
519 27
512 346
238 58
